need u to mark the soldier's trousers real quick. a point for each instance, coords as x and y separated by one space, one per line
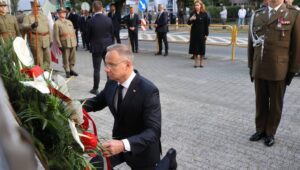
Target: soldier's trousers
269 103
41 55
69 58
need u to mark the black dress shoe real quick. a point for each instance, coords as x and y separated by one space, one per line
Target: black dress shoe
257 136
269 140
172 155
166 54
94 91
157 53
68 74
73 73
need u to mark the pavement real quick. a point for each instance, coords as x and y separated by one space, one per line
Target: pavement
207 113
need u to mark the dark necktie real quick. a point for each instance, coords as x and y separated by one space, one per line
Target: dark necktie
120 97
272 12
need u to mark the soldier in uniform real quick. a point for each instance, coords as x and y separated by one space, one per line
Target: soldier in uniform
273 60
64 34
9 28
37 27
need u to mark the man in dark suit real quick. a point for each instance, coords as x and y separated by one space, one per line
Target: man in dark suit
116 20
132 22
100 36
83 27
74 18
273 60
135 105
161 29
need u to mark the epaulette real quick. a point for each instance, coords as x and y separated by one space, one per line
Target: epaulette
290 7
260 9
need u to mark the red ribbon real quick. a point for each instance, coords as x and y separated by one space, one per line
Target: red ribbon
35 71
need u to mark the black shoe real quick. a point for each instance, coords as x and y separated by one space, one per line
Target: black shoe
192 58
166 54
159 53
172 155
94 91
257 136
68 74
136 51
269 140
205 58
73 73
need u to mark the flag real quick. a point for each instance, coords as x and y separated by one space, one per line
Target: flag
142 5
55 52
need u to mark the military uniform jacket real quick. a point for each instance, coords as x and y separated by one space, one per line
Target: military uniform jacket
8 27
42 31
281 52
64 33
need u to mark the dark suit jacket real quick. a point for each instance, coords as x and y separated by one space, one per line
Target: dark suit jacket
139 119
100 33
83 24
132 22
162 23
74 19
281 53
116 20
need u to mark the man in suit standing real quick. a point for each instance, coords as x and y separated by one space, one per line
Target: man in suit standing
100 36
161 29
116 20
273 60
132 22
83 27
135 105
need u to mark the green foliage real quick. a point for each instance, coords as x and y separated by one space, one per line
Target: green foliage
43 116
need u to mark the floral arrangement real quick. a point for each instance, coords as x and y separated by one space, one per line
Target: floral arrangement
46 117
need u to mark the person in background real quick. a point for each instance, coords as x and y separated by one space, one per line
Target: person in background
100 36
83 27
74 18
223 16
65 37
149 19
161 29
199 32
116 20
242 14
132 22
37 27
10 29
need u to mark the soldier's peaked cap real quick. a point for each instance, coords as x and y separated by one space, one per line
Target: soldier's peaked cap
3 3
37 4
62 9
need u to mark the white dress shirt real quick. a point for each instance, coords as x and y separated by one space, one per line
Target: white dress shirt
276 9
126 85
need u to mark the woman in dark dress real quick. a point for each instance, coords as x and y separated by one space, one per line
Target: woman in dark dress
199 32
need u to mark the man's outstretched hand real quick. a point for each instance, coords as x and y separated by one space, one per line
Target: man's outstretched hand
112 147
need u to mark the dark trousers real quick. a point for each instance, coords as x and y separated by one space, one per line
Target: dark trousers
97 58
76 33
133 36
85 42
269 103
117 36
162 36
